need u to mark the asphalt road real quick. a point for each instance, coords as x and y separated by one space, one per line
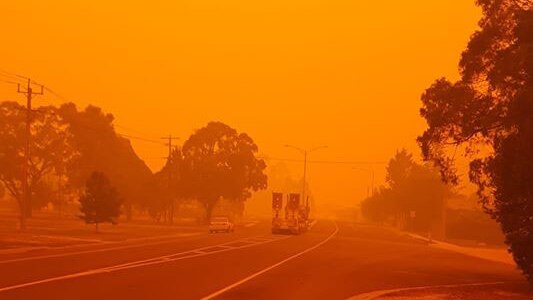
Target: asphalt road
332 261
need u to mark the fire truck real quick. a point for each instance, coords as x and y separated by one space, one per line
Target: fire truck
293 217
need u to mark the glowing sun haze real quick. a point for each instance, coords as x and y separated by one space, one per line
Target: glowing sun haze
347 74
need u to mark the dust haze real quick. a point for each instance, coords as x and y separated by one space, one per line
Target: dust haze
266 150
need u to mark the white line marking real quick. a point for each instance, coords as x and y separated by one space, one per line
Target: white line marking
381 293
140 263
240 282
95 250
312 224
251 224
69 238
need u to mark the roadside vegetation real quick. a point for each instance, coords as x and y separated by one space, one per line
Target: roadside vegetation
487 115
487 118
100 202
78 160
413 197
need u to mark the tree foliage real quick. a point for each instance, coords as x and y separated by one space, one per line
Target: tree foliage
100 201
411 187
66 145
102 149
51 150
220 162
489 114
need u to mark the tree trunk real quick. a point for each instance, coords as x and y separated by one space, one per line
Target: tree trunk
28 210
26 204
22 216
22 221
171 212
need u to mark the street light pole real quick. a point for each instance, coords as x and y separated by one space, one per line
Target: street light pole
305 152
305 174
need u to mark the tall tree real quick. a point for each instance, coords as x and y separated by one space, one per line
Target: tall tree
51 150
399 168
102 149
489 114
100 201
220 162
411 187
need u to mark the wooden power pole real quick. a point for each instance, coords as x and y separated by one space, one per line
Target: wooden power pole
25 203
170 138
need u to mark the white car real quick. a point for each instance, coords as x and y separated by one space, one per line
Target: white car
221 224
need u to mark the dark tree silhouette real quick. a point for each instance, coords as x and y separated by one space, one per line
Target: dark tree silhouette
399 168
220 162
410 187
102 149
100 202
380 206
489 114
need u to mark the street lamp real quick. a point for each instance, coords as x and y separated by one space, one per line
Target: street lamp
305 152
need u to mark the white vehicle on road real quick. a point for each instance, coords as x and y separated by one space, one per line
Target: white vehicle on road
221 224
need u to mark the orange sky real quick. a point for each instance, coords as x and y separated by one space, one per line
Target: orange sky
347 74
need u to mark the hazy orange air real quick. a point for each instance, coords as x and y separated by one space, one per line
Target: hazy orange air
347 74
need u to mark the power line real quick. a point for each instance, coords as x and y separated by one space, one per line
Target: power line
19 77
9 81
141 138
349 162
14 75
56 94
328 161
16 79
145 134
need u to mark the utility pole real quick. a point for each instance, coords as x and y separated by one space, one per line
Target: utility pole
305 175
305 152
26 192
170 138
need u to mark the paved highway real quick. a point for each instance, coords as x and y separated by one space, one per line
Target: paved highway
332 261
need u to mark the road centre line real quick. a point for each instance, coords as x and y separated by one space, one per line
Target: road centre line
142 263
242 281
191 253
